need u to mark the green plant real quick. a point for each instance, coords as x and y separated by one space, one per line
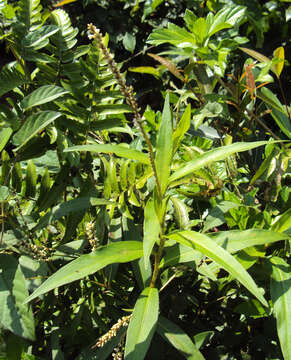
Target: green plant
155 233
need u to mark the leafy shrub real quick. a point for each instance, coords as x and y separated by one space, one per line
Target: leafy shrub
141 232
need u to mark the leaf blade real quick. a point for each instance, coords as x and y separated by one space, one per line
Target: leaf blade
164 146
142 324
209 248
281 298
117 252
115 149
177 338
208 157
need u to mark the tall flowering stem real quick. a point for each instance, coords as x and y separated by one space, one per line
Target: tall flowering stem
127 91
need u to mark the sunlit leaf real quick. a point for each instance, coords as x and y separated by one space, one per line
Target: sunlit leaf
118 150
117 252
208 247
208 157
42 95
142 324
281 298
151 229
164 146
278 61
34 124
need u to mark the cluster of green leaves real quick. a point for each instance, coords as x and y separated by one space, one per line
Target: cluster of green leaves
170 225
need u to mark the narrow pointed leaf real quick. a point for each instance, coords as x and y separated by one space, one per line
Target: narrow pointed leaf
68 207
142 324
208 247
236 240
281 298
33 124
42 95
14 315
182 127
213 155
283 222
179 339
151 230
164 146
117 252
118 150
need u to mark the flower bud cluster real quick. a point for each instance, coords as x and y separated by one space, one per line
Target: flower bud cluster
90 227
124 321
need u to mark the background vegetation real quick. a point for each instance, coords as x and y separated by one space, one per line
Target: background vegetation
145 201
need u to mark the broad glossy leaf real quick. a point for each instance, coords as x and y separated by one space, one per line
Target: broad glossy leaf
71 206
42 95
129 42
179 339
5 134
236 240
164 146
39 38
208 157
281 298
118 252
118 150
10 78
208 247
151 229
174 35
142 324
34 124
14 315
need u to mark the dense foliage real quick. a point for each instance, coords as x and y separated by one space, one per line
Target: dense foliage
145 201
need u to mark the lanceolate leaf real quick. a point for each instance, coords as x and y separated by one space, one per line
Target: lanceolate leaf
115 149
42 95
236 240
281 298
142 324
283 222
215 252
33 124
213 155
14 315
117 252
151 230
176 337
71 206
164 146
